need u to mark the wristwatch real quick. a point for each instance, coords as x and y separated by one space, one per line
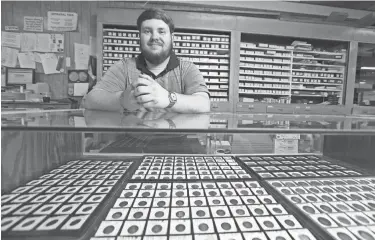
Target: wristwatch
172 99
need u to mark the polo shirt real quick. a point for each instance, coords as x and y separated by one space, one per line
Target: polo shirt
179 76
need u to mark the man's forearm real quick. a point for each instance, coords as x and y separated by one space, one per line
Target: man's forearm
196 103
99 99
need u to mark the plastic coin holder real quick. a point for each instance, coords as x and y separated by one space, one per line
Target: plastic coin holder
196 192
235 200
86 209
202 226
326 197
362 233
142 202
157 227
180 213
341 207
26 209
60 198
52 223
214 201
342 219
74 189
259 191
129 193
28 223
133 228
179 202
357 206
38 189
225 225
96 198
177 227
75 223
288 221
159 213
370 214
22 189
216 192
8 222
248 200
108 228
323 220
205 237
255 236
47 176
220 211
325 207
268 223
67 208
258 210
90 189
308 208
42 198
46 209
138 214
7 197
277 235
239 211
369 203
145 193
117 214
341 234
276 209
360 218
310 198
78 198
35 182
6 209
161 202
23 198
301 234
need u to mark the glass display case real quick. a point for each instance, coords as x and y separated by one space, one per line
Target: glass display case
79 174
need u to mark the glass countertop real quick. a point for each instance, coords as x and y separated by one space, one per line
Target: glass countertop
161 122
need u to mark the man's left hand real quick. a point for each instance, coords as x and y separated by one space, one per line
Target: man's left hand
149 93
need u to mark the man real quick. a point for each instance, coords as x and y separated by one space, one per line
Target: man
156 79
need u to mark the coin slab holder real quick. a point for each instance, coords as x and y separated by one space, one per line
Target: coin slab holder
270 167
62 201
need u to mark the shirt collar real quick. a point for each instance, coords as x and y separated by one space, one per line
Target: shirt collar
142 66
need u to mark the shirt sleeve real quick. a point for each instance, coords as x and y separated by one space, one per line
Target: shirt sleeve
193 80
115 79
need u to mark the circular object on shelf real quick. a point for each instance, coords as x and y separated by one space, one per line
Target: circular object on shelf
73 76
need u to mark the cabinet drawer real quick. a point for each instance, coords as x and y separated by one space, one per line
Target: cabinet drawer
280 109
332 110
220 107
251 108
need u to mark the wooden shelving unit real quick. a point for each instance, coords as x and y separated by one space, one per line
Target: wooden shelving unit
282 74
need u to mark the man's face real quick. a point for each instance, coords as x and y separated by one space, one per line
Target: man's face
156 40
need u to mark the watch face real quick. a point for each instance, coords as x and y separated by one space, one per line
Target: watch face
174 96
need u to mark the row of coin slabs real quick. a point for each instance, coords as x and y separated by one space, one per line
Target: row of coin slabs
319 182
189 160
297 168
183 227
308 174
192 172
51 223
348 225
271 158
288 162
186 158
195 177
105 187
297 234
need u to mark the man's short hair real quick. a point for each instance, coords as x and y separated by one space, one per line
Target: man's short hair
154 13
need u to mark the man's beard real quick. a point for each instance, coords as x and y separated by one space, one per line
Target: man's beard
157 58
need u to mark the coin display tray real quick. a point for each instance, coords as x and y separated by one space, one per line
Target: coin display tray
198 210
267 167
343 207
189 168
63 201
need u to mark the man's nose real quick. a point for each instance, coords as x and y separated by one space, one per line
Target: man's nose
154 35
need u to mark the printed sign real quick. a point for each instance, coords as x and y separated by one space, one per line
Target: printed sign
34 24
62 21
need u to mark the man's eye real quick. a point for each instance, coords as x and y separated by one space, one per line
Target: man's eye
146 31
162 32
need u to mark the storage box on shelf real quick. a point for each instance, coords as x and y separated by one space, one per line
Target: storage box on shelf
210 52
279 74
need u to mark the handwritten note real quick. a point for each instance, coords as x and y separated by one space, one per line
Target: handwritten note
26 60
10 39
49 62
28 42
81 55
9 57
34 24
62 21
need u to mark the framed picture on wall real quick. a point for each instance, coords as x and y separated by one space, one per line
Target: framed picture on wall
19 76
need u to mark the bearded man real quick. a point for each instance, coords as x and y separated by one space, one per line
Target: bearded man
156 79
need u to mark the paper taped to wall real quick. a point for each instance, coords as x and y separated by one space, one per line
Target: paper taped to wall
26 60
34 24
62 21
10 39
9 57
